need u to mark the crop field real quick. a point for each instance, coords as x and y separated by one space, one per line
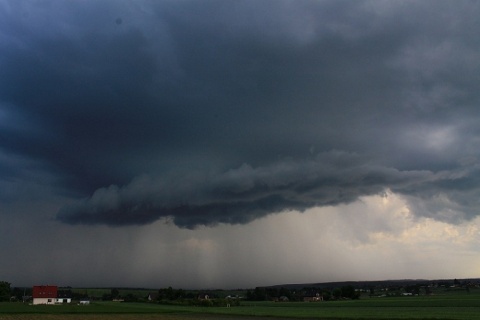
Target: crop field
446 306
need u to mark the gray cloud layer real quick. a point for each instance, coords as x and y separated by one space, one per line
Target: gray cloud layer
216 112
244 194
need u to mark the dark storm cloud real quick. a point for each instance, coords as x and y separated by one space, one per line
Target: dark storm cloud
244 194
185 93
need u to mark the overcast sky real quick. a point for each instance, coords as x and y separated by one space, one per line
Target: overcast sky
227 144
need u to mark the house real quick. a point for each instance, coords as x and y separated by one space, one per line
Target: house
50 295
313 297
203 296
44 294
64 296
152 296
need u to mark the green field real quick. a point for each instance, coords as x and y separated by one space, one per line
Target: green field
441 306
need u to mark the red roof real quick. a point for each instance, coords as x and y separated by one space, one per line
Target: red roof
45 291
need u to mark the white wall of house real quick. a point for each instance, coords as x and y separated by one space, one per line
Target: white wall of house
64 300
44 300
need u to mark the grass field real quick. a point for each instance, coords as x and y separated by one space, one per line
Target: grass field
444 306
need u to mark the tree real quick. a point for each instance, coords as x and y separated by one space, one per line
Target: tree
337 293
20 294
285 293
5 291
115 293
349 292
428 291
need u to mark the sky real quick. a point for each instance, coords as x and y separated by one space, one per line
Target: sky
235 144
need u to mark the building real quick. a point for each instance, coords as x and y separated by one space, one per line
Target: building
316 297
50 295
44 294
64 296
152 296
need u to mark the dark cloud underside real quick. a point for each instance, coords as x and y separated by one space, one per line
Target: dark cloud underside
214 112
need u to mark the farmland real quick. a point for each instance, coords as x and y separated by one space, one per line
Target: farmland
440 306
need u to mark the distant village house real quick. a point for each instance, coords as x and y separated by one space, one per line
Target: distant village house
50 295
152 296
317 297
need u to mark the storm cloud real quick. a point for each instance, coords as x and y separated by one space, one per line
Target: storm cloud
220 144
244 194
212 112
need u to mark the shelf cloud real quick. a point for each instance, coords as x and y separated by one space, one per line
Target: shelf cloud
244 194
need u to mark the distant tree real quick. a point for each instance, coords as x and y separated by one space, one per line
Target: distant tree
130 297
413 289
337 293
349 292
327 295
191 295
114 293
180 294
17 293
259 294
428 291
171 294
5 291
77 295
416 290
271 293
285 293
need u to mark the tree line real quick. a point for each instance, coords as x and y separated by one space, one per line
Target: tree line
170 295
279 294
